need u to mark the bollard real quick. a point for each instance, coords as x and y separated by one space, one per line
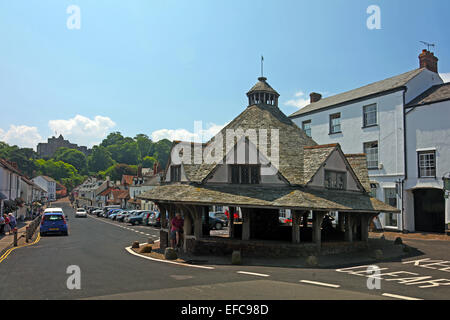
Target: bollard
27 234
15 238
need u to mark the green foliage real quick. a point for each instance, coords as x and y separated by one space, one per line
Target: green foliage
100 159
115 156
148 162
24 157
116 171
74 157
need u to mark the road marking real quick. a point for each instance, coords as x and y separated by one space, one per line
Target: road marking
6 254
125 228
321 284
399 297
254 274
167 261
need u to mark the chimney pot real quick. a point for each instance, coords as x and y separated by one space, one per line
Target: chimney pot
314 97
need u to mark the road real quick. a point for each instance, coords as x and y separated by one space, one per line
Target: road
108 271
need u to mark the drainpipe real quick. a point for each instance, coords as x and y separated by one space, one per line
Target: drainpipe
404 161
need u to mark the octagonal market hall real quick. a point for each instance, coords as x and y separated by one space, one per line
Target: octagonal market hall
262 163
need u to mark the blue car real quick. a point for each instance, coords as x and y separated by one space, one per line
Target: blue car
54 222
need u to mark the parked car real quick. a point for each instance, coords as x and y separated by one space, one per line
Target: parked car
110 212
139 218
132 213
97 212
155 219
122 215
215 223
54 222
114 214
219 215
81 213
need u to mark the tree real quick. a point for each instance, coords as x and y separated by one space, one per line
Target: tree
116 171
24 157
162 150
112 138
145 145
100 159
148 162
74 157
127 152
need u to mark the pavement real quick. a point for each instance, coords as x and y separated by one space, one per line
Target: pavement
6 240
94 256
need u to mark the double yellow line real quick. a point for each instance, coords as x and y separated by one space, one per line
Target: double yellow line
6 254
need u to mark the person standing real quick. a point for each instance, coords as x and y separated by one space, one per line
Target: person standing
2 225
12 222
7 227
177 224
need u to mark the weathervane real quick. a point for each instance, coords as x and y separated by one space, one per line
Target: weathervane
429 45
262 66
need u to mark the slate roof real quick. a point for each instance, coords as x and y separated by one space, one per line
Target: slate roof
371 89
358 163
313 158
268 197
262 85
435 94
291 140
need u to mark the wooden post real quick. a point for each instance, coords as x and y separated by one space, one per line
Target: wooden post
317 227
198 225
348 227
296 216
245 224
231 227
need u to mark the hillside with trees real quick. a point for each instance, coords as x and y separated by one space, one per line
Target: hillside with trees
116 155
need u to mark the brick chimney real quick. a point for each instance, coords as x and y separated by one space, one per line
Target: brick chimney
428 61
314 96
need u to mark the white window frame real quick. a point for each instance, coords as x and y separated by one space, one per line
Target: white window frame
372 113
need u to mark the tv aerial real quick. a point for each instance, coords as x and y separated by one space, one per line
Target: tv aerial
429 45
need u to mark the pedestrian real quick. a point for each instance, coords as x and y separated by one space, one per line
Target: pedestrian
12 222
7 226
176 230
2 225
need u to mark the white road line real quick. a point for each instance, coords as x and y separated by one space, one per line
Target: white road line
253 274
321 284
166 261
399 297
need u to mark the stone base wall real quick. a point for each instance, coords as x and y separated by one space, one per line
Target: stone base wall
260 249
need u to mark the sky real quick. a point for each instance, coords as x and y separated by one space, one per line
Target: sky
156 67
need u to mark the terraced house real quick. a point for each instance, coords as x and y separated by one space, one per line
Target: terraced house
402 125
261 163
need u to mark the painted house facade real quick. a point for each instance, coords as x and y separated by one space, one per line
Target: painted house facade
48 184
374 120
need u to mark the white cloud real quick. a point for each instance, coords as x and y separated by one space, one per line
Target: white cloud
22 136
300 100
445 76
82 130
184 135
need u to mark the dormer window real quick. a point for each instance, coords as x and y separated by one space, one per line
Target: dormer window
335 180
245 174
175 173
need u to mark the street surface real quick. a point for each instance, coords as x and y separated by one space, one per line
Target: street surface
108 271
